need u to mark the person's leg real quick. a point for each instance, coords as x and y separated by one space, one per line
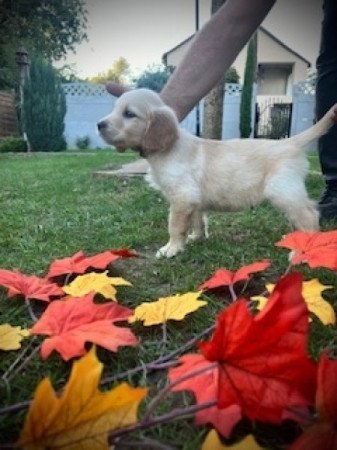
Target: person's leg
326 96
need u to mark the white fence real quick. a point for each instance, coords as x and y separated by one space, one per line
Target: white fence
88 103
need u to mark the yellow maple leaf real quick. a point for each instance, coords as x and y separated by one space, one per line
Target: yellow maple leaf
261 301
167 308
212 442
100 283
82 416
11 337
312 294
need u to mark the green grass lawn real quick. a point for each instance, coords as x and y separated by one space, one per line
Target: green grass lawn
53 205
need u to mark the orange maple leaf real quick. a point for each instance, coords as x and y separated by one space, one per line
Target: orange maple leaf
323 434
316 248
74 321
30 286
224 277
82 416
79 263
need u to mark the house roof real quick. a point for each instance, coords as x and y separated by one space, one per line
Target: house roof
264 30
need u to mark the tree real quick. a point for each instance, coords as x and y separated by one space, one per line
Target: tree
232 76
41 26
154 77
44 108
213 103
247 89
117 72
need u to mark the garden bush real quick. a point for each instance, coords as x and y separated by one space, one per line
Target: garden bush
83 142
13 144
44 108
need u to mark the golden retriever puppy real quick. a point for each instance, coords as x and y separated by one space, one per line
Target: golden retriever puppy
198 175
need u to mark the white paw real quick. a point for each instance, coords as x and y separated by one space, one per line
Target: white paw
169 250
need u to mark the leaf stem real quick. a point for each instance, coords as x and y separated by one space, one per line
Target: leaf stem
30 310
232 292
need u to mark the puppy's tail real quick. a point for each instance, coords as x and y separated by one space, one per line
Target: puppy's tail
321 127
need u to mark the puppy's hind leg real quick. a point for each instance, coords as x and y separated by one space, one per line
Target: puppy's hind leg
292 199
199 227
179 223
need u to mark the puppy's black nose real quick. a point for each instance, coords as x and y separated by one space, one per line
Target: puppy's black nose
101 125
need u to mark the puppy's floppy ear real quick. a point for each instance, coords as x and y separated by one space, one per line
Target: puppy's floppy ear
161 132
116 89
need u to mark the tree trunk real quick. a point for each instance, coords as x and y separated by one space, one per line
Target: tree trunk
213 102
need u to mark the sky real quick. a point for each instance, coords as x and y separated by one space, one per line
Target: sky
139 30
142 30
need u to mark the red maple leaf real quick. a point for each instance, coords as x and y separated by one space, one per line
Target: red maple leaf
74 321
205 388
224 277
30 286
323 434
316 248
262 359
79 263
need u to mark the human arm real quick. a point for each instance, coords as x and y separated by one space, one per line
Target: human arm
212 52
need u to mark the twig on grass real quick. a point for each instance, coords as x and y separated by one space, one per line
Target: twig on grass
160 363
145 443
173 415
24 363
18 359
157 399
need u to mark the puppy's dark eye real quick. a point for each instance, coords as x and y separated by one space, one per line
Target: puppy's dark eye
128 114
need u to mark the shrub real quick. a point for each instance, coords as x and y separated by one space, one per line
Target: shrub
232 76
83 142
154 77
44 108
13 144
247 89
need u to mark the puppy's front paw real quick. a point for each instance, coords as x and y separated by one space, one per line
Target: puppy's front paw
169 250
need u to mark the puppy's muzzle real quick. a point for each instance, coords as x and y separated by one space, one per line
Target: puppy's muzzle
102 125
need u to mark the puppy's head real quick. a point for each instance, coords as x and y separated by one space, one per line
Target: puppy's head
141 121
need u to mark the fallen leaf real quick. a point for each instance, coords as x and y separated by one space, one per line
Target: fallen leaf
167 308
205 388
263 363
11 337
312 294
74 321
29 286
79 263
99 283
224 277
316 248
82 416
323 434
212 442
260 300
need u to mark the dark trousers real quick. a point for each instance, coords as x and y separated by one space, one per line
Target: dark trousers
326 88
